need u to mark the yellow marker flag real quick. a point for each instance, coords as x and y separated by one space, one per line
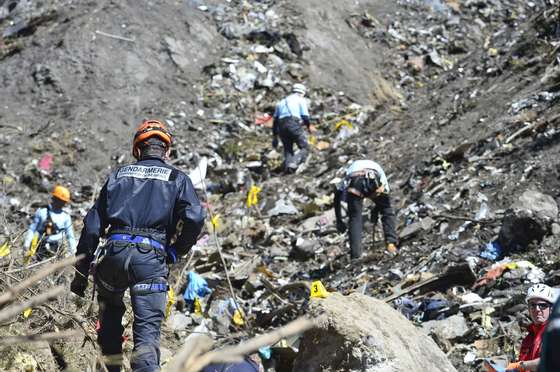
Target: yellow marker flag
253 196
238 318
512 266
312 140
5 249
197 306
343 123
170 302
318 290
215 221
27 312
32 249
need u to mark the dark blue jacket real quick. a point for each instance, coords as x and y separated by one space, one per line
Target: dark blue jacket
146 198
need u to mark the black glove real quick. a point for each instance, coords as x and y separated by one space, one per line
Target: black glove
340 226
275 142
79 285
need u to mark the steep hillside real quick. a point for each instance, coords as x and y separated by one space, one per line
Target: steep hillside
456 99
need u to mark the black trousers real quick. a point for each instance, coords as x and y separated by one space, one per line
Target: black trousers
382 206
143 271
291 132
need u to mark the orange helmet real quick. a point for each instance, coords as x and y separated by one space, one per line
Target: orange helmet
149 129
61 193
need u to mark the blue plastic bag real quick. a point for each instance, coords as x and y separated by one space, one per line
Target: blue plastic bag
196 287
492 251
265 352
495 366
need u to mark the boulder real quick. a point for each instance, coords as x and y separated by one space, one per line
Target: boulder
451 328
360 333
528 220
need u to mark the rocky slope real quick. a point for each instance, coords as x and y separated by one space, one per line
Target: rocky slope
456 99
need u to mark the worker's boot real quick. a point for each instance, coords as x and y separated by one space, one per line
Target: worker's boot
392 249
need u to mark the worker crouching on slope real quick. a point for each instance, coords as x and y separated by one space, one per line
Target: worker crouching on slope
50 226
290 116
365 179
140 206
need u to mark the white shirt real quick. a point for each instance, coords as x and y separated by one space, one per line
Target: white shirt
360 165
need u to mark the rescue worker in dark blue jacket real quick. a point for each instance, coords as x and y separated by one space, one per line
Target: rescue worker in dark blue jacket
138 210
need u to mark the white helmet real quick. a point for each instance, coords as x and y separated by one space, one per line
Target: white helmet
299 88
542 292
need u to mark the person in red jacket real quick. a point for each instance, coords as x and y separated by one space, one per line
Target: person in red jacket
540 299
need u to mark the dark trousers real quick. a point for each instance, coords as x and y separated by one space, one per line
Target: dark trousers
141 269
550 358
291 132
382 205
245 366
47 250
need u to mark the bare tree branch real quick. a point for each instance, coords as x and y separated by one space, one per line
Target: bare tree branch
15 340
12 292
15 309
194 345
188 361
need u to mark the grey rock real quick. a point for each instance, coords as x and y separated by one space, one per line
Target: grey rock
541 205
233 30
276 251
528 220
451 328
425 224
282 206
180 321
177 52
360 333
245 79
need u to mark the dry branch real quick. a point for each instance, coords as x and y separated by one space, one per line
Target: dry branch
194 345
521 131
467 219
12 292
15 309
235 353
15 340
117 37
